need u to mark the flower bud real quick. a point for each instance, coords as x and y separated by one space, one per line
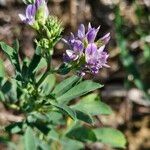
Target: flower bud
53 29
91 34
36 14
49 34
42 11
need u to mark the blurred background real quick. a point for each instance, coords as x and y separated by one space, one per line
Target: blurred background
127 81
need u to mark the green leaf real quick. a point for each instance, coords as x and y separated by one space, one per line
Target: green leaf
1 81
12 93
6 87
84 117
24 70
70 144
4 139
29 67
53 135
79 90
12 54
7 49
64 69
146 53
16 45
2 69
2 98
110 136
65 85
12 146
47 84
33 64
14 128
35 116
82 134
43 145
42 64
92 105
29 138
66 109
55 118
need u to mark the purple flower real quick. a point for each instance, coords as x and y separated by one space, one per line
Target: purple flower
29 16
75 51
95 57
92 33
32 13
88 55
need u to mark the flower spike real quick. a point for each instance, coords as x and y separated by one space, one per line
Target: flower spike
85 53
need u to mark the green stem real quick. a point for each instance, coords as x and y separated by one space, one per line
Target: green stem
42 78
47 71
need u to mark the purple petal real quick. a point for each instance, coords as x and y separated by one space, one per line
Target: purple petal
94 69
107 66
105 39
91 53
78 46
22 17
101 49
71 55
103 59
30 11
89 26
91 48
29 17
71 39
81 32
91 35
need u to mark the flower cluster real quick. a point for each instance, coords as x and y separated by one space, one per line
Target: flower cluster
49 34
49 27
35 13
88 55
